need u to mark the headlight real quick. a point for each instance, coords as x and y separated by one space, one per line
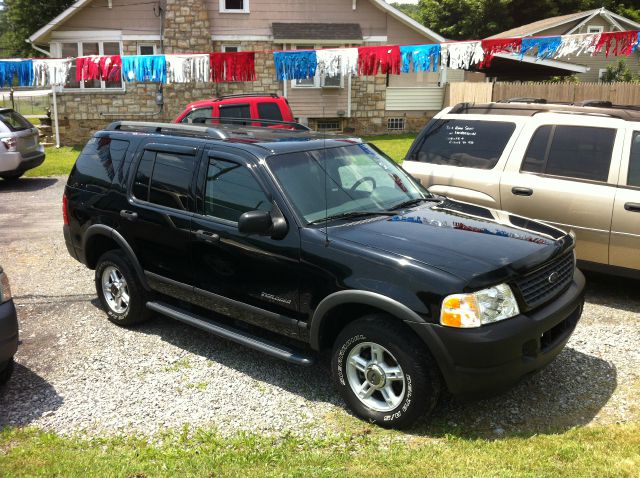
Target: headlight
5 290
483 307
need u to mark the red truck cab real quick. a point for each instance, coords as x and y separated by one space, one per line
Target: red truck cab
266 107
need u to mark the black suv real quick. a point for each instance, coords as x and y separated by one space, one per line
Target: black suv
291 243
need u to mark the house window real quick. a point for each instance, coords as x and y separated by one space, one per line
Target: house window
234 6
230 48
328 125
595 29
395 124
601 73
146 49
76 49
318 81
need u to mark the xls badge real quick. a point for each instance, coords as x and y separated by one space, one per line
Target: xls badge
274 298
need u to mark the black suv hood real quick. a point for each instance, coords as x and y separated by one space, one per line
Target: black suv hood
477 244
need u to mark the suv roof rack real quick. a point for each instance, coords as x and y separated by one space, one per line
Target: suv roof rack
247 122
149 127
528 108
244 95
524 99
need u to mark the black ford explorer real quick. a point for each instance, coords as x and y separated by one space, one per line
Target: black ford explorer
291 243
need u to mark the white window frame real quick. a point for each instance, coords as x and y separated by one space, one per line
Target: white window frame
601 71
318 80
595 29
56 48
140 45
245 7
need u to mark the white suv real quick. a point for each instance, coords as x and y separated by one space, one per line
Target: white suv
574 166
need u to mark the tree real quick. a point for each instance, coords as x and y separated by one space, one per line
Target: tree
476 19
618 72
21 18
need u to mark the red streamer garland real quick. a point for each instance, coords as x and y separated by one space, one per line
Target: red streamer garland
499 45
624 43
105 68
233 66
383 59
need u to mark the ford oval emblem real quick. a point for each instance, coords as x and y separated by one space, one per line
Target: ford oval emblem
553 278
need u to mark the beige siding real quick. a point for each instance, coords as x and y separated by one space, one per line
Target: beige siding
601 61
318 102
415 99
400 34
129 16
264 13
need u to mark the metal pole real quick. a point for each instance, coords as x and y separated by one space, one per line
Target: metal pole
55 115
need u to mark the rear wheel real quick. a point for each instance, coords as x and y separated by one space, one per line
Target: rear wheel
384 373
6 369
119 290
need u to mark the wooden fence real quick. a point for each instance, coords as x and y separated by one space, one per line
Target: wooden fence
617 93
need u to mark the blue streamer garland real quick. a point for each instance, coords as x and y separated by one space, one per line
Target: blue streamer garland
295 65
23 69
546 47
142 68
423 57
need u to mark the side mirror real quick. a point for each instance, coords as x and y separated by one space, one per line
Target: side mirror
261 223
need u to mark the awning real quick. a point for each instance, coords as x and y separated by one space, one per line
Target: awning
317 32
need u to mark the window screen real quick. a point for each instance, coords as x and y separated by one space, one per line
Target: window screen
633 178
231 191
235 111
575 152
98 163
170 181
233 4
269 111
465 143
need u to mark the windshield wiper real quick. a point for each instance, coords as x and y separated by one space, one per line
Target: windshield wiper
352 214
414 202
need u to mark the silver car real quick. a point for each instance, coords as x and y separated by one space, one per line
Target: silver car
20 148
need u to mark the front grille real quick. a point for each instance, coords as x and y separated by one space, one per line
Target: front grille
536 288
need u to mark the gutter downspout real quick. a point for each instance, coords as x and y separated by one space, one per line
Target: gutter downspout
37 48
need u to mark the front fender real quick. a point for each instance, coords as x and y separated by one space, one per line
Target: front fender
373 299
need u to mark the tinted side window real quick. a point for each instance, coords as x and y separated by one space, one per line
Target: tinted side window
198 116
231 191
536 155
14 120
98 163
465 143
235 111
580 152
269 111
633 178
170 180
143 175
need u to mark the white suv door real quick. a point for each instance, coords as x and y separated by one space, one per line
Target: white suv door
564 171
625 225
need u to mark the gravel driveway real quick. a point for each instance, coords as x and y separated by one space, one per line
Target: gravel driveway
77 372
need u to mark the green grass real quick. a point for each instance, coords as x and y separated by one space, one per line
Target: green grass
58 162
395 146
366 451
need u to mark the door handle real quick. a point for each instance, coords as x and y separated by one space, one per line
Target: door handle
207 236
129 215
632 206
522 191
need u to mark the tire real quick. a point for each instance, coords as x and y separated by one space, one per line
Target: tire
12 177
6 369
119 290
396 400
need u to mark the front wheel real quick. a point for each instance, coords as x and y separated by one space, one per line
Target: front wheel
384 373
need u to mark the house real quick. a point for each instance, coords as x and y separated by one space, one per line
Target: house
362 104
586 68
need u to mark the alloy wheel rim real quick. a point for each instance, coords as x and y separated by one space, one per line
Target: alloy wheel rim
115 290
375 377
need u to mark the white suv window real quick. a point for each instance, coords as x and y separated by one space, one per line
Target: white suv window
465 143
580 152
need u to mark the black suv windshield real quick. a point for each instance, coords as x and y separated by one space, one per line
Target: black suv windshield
358 179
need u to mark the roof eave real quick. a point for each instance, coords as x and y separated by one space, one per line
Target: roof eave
407 20
64 16
550 63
